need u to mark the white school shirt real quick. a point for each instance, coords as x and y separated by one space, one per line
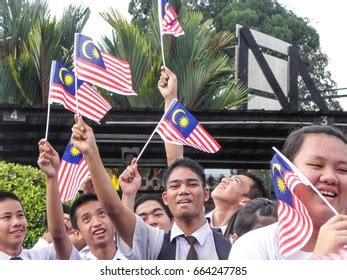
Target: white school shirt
40 243
262 244
209 217
86 254
44 253
147 242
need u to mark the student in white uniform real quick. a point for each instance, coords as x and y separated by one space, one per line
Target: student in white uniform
185 196
87 215
231 193
320 153
91 221
149 207
13 227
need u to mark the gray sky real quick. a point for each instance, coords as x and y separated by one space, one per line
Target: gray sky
330 21
327 17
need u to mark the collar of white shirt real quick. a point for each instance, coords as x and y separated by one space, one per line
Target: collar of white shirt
201 234
4 256
86 254
209 217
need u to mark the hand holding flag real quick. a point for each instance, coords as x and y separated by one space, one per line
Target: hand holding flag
83 137
48 160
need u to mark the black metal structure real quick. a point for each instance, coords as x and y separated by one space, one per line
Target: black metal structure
296 67
246 137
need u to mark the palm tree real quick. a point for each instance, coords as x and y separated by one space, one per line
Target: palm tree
36 40
204 72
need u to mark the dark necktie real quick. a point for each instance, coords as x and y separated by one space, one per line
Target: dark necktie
218 229
192 254
16 259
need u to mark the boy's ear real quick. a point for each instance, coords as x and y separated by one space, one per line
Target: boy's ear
245 201
164 197
206 194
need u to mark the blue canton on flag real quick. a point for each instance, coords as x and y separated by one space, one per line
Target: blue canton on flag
181 119
72 155
72 170
282 192
86 50
294 222
64 77
100 68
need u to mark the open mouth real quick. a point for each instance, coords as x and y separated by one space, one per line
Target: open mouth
17 232
328 194
184 201
99 231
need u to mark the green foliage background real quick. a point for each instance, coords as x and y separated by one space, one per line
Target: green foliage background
28 184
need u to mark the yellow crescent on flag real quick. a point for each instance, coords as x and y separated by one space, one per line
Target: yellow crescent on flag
61 71
84 46
174 115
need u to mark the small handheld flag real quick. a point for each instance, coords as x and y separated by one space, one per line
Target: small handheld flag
294 222
72 170
62 90
100 68
168 23
169 20
180 127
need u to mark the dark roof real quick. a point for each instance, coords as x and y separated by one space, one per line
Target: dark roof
246 137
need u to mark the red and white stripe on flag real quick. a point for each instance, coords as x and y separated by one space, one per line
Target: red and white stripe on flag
295 224
170 24
116 77
70 177
90 103
199 138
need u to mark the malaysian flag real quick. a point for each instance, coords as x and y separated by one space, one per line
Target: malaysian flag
100 68
294 222
169 19
62 90
180 127
72 170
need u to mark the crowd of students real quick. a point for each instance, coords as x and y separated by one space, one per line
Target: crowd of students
175 226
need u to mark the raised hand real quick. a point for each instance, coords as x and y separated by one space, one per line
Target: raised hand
167 84
83 136
130 179
48 159
87 185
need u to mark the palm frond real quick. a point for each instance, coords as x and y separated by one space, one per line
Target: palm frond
129 44
38 40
